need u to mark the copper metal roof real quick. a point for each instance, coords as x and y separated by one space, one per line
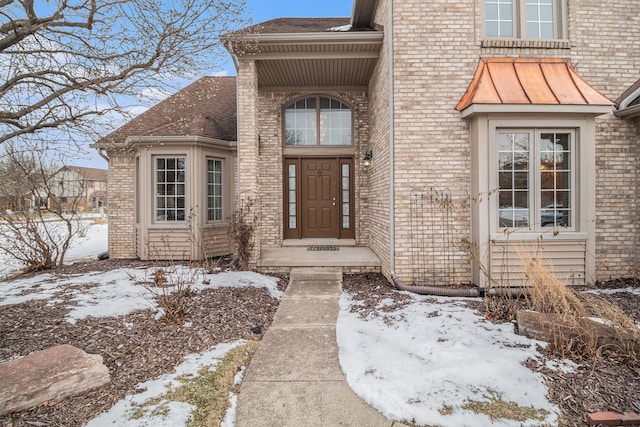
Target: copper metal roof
544 81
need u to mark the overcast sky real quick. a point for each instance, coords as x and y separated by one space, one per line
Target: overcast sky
260 11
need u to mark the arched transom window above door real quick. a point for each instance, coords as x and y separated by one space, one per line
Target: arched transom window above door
318 120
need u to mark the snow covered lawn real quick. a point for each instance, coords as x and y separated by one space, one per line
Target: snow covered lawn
87 246
435 361
425 360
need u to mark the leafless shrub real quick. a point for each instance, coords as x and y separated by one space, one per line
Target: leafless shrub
39 219
171 288
242 224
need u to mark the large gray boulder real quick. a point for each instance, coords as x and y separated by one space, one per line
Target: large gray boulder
49 376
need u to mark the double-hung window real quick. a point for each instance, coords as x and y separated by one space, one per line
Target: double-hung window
536 179
170 200
525 19
214 190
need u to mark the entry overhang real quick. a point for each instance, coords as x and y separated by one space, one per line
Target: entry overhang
338 58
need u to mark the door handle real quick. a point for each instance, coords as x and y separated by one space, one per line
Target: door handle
334 201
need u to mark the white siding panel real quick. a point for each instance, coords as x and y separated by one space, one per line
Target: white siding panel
566 259
169 244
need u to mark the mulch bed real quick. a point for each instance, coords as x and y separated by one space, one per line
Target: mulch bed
606 383
135 348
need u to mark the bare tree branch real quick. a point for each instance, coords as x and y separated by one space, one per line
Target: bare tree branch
63 62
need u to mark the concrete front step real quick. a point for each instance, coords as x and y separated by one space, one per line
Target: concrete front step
349 259
49 376
316 274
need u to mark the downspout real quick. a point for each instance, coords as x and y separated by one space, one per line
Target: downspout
102 153
442 291
392 189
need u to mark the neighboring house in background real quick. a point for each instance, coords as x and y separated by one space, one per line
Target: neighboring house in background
79 188
413 128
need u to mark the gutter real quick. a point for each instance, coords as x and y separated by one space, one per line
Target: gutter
160 140
629 112
339 37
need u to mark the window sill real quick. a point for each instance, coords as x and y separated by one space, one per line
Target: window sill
217 224
544 236
169 224
526 43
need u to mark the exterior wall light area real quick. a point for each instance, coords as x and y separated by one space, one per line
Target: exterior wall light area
368 155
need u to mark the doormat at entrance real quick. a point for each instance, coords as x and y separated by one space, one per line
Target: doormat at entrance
323 248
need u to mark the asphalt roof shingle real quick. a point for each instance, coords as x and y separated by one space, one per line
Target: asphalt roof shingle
298 26
207 107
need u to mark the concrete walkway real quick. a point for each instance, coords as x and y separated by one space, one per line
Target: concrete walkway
294 378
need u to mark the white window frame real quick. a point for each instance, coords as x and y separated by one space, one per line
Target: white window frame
222 189
535 207
155 195
519 21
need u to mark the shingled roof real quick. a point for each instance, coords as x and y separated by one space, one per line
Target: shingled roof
205 108
628 104
300 25
630 97
89 174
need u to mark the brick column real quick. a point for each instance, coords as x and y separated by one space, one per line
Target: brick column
121 191
248 143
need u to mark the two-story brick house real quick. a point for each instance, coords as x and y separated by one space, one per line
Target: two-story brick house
424 129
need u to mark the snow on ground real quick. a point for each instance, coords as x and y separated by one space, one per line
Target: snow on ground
150 407
421 363
630 290
425 362
118 292
88 245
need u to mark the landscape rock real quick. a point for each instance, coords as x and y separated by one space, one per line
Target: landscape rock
548 327
49 376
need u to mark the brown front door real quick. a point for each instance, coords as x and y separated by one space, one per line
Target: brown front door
320 198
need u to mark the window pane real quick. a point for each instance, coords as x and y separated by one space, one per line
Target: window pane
214 190
170 189
491 11
300 126
335 122
292 196
492 29
540 19
555 179
346 196
505 12
499 18
513 179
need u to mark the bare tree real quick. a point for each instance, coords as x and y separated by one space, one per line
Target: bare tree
63 63
37 230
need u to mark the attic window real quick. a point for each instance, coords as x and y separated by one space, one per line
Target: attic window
316 121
